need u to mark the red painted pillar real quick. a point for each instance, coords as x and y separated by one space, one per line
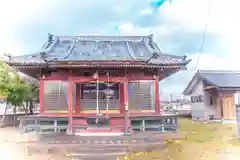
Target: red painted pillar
77 98
70 107
41 95
127 125
121 86
157 97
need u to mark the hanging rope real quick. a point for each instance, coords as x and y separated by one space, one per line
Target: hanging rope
97 96
204 33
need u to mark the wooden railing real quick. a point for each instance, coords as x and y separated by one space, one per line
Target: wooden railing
41 125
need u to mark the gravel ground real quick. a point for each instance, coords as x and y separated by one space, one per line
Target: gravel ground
10 150
13 151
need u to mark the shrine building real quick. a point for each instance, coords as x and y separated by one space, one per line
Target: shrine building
99 84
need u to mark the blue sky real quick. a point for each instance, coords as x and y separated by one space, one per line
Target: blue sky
177 28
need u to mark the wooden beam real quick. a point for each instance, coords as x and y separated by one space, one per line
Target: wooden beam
209 87
221 104
131 114
82 79
139 77
157 97
41 96
70 107
78 79
125 90
55 77
110 79
77 110
121 88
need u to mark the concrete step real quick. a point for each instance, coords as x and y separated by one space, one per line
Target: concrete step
95 153
98 154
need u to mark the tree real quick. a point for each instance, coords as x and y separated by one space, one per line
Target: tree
17 91
32 99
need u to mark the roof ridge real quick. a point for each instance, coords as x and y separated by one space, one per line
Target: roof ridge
169 55
105 38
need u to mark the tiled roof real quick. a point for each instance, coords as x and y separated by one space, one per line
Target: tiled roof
221 79
101 48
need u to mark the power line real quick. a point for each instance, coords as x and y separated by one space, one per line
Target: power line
204 33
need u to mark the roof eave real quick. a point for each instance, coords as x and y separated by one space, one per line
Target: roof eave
188 89
229 88
99 62
45 65
186 62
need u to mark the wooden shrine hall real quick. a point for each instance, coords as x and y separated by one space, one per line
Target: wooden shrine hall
98 84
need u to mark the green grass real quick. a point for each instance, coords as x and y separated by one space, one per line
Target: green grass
201 141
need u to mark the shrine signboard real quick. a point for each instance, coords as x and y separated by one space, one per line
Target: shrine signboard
105 90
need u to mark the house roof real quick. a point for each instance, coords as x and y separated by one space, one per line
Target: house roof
217 78
100 48
28 79
222 79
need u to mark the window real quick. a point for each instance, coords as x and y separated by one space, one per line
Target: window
194 99
212 100
197 99
201 98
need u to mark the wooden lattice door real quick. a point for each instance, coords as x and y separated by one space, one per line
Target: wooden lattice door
229 109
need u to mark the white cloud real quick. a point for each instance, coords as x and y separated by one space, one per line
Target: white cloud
13 11
146 11
46 16
12 14
130 29
191 14
214 62
206 62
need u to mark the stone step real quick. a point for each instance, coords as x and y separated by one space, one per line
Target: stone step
97 158
99 132
94 153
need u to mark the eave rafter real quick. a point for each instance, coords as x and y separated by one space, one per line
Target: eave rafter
210 87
